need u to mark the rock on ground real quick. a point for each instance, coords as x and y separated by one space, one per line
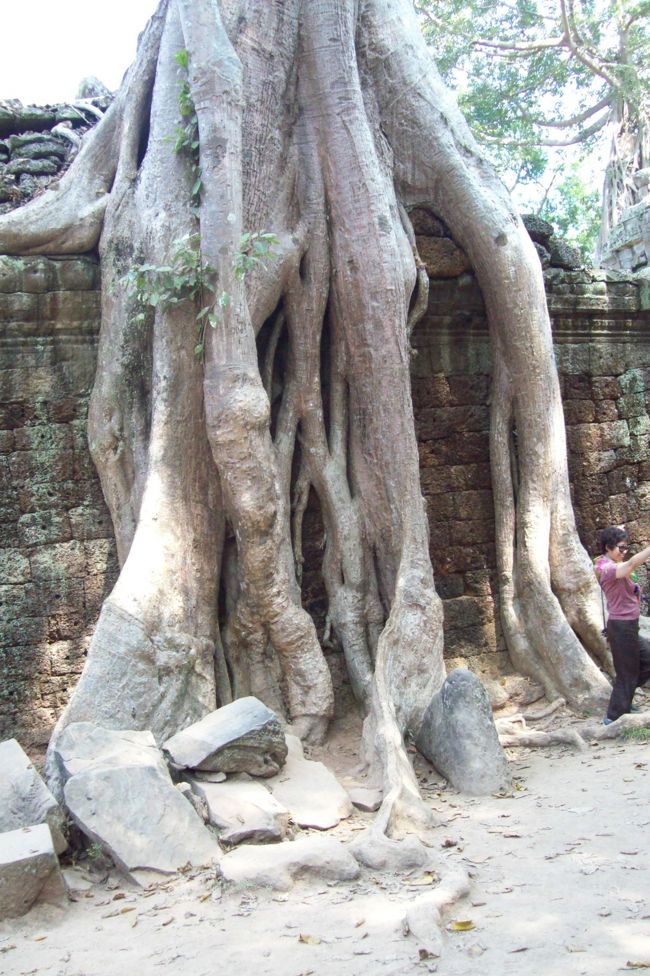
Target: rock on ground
29 870
83 746
311 793
242 737
366 798
278 865
24 798
139 818
242 810
458 736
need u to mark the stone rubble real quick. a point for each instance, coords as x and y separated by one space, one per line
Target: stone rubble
120 794
29 870
242 810
312 794
244 736
24 798
117 789
459 738
279 865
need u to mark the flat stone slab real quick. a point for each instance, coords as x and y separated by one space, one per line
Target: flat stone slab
311 793
242 737
243 810
29 870
140 819
279 865
83 746
24 798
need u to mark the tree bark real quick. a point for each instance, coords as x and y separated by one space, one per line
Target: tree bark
321 121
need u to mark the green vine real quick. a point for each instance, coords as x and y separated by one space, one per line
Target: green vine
186 135
186 278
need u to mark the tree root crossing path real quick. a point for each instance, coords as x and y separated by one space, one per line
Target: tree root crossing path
558 884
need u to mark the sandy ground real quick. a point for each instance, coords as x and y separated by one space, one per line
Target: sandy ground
560 885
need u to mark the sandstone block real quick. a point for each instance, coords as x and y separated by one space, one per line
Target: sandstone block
24 798
605 411
139 819
459 738
14 566
579 411
606 387
584 438
278 865
29 870
244 736
426 224
60 561
310 792
442 257
366 798
242 810
631 405
82 747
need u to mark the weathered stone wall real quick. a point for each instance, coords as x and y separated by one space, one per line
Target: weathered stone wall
58 561
601 327
57 554
627 247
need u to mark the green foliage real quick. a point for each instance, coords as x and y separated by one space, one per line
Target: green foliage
636 735
186 135
255 248
185 278
574 210
532 85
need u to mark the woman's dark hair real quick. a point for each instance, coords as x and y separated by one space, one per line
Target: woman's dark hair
610 537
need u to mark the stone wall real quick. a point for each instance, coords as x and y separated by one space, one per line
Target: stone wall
601 327
627 247
57 555
58 561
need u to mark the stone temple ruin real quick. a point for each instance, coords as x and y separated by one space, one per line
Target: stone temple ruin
58 561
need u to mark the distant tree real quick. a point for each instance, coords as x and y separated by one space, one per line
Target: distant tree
535 77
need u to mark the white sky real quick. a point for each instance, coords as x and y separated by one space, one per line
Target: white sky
48 46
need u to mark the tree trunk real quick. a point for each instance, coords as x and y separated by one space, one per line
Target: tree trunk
323 122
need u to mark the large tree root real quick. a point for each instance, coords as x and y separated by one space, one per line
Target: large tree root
424 918
323 122
513 732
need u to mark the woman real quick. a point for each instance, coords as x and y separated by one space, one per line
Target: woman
630 652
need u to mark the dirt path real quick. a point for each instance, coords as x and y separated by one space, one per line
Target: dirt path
561 885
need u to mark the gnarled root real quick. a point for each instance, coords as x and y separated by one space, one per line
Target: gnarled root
423 920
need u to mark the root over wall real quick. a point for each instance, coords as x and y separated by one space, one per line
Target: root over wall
57 555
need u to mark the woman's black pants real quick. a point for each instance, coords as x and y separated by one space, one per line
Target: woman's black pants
631 654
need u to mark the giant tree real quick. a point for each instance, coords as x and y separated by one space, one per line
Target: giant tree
539 77
322 123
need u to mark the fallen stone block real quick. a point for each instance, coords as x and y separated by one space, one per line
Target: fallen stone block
29 870
24 798
279 865
459 738
242 737
243 810
366 798
313 795
83 746
140 819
